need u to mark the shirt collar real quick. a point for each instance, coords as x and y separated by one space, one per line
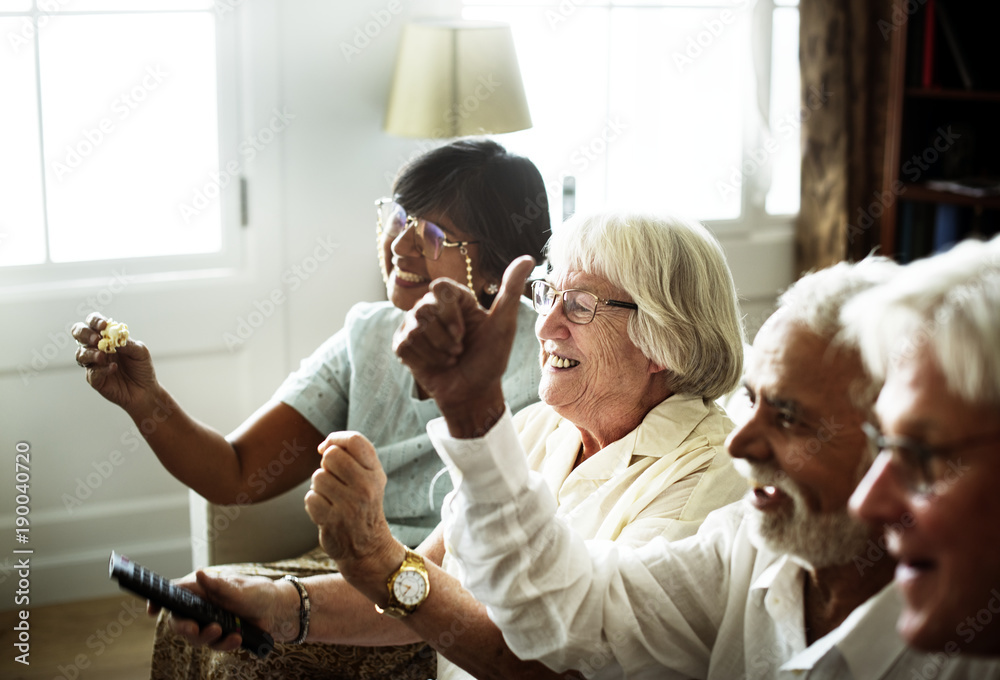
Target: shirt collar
779 590
660 434
875 619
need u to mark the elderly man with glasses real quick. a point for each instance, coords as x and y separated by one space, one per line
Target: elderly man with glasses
786 584
934 334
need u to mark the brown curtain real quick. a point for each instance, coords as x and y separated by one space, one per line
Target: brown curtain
844 54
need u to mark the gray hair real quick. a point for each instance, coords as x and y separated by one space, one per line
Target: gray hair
950 304
688 319
816 299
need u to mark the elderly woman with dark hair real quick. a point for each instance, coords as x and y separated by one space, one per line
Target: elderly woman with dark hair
639 333
457 212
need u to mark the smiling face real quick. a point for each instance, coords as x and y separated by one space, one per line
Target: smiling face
802 449
410 272
593 375
945 541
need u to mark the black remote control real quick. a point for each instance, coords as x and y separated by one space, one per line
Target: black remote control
153 587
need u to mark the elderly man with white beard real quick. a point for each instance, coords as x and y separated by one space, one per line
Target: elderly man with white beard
785 584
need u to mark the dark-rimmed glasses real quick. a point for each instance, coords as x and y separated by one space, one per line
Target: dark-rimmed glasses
579 306
430 238
922 466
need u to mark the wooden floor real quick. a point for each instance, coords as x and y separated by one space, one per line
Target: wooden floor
111 639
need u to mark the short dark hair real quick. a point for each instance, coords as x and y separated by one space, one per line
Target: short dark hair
496 197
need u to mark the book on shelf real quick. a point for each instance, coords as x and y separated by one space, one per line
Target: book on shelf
916 231
978 187
927 72
951 224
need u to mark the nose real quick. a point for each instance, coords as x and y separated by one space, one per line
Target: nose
405 244
748 440
880 497
554 325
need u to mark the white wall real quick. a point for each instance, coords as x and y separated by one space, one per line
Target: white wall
313 186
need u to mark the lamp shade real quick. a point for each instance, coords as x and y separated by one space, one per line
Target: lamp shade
456 78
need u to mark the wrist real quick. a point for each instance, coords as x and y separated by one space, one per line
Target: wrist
293 623
152 402
370 573
473 418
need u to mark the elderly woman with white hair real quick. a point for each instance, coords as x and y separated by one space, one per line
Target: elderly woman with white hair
639 334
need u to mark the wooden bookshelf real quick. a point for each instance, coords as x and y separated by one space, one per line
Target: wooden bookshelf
943 122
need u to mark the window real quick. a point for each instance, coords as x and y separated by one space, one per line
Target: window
110 136
687 107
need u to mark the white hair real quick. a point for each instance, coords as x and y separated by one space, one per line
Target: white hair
816 299
688 318
948 303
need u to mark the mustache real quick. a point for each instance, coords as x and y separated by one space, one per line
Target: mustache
765 474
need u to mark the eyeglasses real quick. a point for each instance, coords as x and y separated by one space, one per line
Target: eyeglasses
429 236
920 465
579 306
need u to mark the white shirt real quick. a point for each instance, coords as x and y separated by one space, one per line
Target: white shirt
710 606
660 479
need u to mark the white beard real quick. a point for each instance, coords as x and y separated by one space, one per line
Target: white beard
819 539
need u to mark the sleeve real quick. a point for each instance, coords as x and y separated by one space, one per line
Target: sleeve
320 389
570 603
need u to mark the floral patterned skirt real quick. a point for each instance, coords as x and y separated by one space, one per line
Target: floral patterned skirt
175 659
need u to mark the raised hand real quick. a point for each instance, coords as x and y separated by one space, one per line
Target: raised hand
345 502
125 377
458 351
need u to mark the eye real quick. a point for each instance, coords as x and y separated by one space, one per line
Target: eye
786 418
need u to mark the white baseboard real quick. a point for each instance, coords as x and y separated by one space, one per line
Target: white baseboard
69 559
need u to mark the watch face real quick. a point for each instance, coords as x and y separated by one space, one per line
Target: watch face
410 587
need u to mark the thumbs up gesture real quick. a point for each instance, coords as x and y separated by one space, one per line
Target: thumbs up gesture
458 351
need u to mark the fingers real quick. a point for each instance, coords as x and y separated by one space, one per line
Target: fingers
349 468
207 636
448 298
434 330
353 444
508 299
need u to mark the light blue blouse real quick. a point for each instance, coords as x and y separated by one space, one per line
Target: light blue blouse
354 381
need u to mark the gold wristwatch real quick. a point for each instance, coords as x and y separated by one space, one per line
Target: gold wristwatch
408 587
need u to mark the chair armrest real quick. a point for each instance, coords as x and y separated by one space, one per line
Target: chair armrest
269 531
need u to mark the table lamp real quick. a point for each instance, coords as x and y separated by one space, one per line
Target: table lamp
456 78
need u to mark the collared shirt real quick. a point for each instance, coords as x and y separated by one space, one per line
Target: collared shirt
660 479
713 606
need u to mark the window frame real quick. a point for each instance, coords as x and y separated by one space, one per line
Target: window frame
230 259
754 219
